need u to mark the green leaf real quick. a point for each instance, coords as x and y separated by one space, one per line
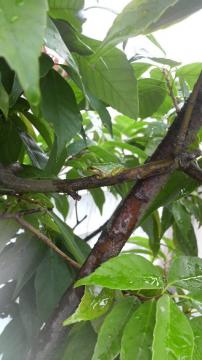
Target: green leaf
99 198
95 302
70 241
125 272
23 23
112 80
8 229
59 108
135 19
152 228
185 237
67 10
46 63
52 279
19 261
4 100
151 95
7 75
166 219
36 154
18 348
189 73
186 273
179 11
140 68
173 336
80 342
109 338
10 141
138 333
196 325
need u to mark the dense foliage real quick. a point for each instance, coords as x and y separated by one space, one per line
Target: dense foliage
72 107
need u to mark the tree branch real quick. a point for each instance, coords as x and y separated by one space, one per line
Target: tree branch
122 223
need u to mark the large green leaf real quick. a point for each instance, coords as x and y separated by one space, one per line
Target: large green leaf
125 272
67 10
184 234
52 279
59 108
4 100
151 95
138 333
10 141
186 272
173 336
109 338
196 325
8 229
111 79
80 342
94 303
19 261
173 14
135 19
189 73
22 27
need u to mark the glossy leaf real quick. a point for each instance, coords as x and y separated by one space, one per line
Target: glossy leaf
152 228
17 27
196 324
186 272
151 95
8 229
37 156
138 333
52 279
59 108
173 336
185 237
99 198
125 272
94 303
109 337
135 19
112 80
80 342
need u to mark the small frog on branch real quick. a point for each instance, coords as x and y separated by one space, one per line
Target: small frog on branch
103 170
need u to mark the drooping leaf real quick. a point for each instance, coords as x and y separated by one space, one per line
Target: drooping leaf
94 303
10 141
37 155
125 272
173 336
166 219
99 198
8 229
112 80
186 273
135 19
185 237
59 108
151 95
52 279
179 11
138 333
70 240
7 75
45 63
68 10
196 324
109 337
152 228
80 342
17 27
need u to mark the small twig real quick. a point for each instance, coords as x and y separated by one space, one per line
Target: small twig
101 8
95 232
194 171
170 90
26 225
79 222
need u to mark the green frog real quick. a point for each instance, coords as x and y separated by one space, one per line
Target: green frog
103 170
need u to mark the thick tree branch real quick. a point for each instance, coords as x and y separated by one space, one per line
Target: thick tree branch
122 223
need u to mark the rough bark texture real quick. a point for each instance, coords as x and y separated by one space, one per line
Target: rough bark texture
118 229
